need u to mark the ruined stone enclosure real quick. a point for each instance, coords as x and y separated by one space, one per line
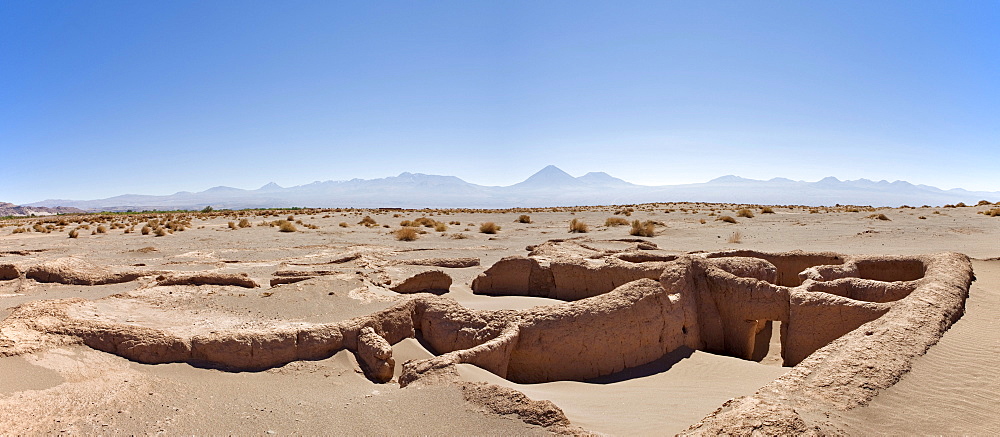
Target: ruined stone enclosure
850 325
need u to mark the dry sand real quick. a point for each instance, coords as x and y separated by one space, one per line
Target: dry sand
950 390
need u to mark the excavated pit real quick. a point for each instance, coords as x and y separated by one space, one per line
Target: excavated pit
623 309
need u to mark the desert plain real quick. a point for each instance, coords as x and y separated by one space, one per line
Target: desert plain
347 322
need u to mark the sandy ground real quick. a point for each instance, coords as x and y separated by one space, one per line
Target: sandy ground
952 390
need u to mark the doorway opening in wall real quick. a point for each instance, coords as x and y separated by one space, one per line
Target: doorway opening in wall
767 343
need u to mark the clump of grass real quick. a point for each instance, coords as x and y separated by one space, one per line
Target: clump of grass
879 217
145 230
993 212
745 212
577 226
702 221
643 229
160 232
766 210
615 221
286 226
727 219
459 236
368 221
244 223
232 225
440 227
74 233
922 218
524 218
343 224
489 228
983 203
736 237
101 229
406 233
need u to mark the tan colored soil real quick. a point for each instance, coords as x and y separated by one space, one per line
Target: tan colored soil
67 386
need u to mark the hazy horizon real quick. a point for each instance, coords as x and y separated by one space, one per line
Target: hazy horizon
103 99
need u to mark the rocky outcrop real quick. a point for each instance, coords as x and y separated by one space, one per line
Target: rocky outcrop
9 272
431 281
207 278
75 271
451 263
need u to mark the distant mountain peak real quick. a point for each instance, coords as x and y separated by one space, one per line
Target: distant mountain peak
547 177
270 186
728 178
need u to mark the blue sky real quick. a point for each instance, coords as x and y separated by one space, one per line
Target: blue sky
99 98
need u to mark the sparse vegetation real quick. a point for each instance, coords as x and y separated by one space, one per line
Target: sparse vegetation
286 226
879 217
766 210
160 232
343 224
145 230
232 225
406 233
736 237
727 219
244 223
643 229
368 221
489 228
74 233
577 226
101 229
745 212
523 218
615 221
993 212
440 227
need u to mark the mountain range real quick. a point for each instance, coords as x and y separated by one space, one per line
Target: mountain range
549 187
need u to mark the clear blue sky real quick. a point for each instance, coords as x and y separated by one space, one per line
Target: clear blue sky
99 98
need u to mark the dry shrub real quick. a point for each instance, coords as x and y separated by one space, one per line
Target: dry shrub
577 226
702 221
368 221
745 212
489 228
993 212
286 226
145 230
643 229
983 203
343 224
102 229
74 233
160 232
459 236
879 217
523 218
615 221
406 233
232 225
440 227
922 218
767 210
736 237
244 223
726 219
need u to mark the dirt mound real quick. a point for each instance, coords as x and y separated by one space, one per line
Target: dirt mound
431 281
451 263
506 401
207 278
75 271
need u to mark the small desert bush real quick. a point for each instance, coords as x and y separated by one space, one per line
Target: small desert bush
406 233
767 210
343 224
643 229
74 233
145 230
524 218
879 217
440 227
160 232
702 221
577 226
459 236
745 212
368 221
983 203
244 223
615 221
102 229
286 226
489 228
993 212
232 225
736 237
726 219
